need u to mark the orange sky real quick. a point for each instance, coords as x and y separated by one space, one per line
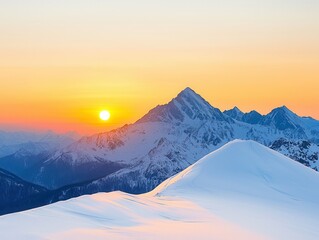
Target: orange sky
62 62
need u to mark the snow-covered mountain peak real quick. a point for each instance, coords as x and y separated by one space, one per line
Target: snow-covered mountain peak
186 106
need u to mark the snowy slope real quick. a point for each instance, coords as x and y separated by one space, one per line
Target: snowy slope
248 167
241 191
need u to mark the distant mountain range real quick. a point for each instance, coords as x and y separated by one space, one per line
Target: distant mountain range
280 118
34 143
137 157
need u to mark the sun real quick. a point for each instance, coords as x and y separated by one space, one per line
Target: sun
105 115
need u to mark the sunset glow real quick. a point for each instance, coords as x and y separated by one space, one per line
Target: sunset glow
77 55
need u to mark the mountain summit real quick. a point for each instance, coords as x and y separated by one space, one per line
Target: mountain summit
187 106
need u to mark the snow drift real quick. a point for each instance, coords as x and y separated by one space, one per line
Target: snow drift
241 191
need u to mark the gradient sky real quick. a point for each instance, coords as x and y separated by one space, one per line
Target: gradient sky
61 62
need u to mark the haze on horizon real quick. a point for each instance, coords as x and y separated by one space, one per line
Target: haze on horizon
64 61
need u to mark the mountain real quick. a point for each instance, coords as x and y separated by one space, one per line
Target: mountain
186 122
157 147
240 191
137 157
17 194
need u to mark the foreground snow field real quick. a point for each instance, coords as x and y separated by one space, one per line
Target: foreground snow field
241 191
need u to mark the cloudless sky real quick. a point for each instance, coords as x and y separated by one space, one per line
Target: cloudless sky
61 62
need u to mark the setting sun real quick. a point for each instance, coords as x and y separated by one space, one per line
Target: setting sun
105 115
